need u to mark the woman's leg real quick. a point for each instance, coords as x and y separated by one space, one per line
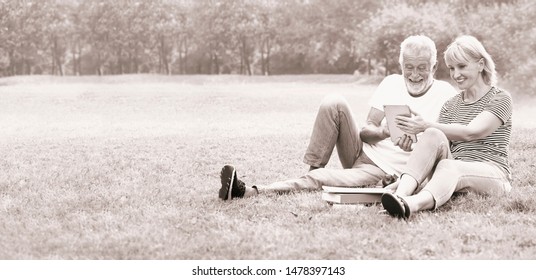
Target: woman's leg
455 175
432 146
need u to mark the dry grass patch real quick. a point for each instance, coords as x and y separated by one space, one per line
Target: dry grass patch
128 168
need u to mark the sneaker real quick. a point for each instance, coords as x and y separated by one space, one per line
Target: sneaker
231 186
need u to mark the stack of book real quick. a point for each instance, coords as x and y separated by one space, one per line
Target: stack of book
343 195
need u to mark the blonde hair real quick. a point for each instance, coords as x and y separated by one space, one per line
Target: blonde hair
418 44
468 49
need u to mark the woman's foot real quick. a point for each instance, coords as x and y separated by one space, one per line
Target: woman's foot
396 206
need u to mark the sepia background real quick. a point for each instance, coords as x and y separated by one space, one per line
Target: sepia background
254 37
116 118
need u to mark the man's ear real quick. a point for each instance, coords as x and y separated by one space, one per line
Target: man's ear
433 70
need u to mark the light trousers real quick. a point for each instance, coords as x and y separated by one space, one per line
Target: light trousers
432 160
334 127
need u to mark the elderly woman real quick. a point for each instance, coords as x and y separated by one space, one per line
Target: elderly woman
467 149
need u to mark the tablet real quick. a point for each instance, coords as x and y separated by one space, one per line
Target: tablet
391 111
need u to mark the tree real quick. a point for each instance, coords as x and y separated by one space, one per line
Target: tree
511 40
336 49
293 38
268 20
392 24
6 34
97 19
78 37
22 35
244 21
214 36
184 34
56 28
164 28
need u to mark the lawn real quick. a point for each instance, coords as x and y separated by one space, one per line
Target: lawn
127 167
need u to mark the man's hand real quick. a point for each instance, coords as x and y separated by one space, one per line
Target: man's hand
404 143
393 186
388 179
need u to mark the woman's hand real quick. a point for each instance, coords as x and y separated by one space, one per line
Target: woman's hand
411 125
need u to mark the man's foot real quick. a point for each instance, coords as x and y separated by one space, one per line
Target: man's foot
231 186
253 191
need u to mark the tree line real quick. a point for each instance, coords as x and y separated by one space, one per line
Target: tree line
252 37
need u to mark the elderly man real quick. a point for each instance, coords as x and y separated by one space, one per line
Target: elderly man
369 155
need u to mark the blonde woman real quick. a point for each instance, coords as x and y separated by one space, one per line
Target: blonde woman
467 149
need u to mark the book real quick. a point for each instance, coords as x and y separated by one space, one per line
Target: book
353 190
391 112
344 195
351 198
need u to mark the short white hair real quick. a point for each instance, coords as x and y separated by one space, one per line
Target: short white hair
420 44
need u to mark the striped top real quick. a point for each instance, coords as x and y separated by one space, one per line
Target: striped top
494 147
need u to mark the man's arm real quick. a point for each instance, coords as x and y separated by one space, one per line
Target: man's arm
373 132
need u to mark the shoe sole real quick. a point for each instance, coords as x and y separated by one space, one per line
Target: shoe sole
393 206
227 176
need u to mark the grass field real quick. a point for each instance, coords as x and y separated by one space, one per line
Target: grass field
128 168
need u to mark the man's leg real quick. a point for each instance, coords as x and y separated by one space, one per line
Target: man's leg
363 173
334 125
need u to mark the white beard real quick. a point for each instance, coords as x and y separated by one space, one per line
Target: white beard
414 88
